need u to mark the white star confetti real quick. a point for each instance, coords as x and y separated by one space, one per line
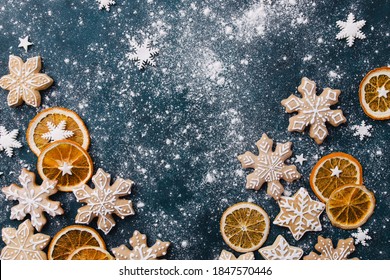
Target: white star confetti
361 236
24 43
350 29
300 159
362 130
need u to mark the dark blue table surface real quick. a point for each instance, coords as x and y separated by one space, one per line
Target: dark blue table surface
223 68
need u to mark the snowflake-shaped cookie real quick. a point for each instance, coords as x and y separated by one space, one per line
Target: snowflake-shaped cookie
350 29
299 213
344 248
361 236
141 251
281 250
143 54
33 199
25 81
313 110
103 201
8 141
23 244
57 132
227 256
105 4
269 166
362 130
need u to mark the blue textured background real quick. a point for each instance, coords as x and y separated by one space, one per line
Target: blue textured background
176 129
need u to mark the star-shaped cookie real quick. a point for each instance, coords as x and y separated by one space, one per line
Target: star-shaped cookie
103 201
281 250
299 213
23 244
25 81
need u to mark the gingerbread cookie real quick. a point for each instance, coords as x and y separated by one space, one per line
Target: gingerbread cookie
313 110
23 244
25 81
227 256
299 213
141 251
344 248
103 201
269 166
33 199
281 250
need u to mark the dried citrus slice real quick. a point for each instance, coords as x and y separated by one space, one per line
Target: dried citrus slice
350 206
71 238
374 94
245 227
55 124
90 253
67 162
333 171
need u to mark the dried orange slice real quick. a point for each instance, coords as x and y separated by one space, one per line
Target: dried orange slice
90 253
55 124
245 227
333 171
350 206
71 238
374 94
67 162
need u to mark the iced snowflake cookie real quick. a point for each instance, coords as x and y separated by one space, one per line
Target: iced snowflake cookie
281 250
143 55
140 250
244 227
269 166
8 141
299 213
374 94
103 201
344 248
23 244
70 239
227 256
56 124
67 162
333 171
313 110
33 199
350 206
24 81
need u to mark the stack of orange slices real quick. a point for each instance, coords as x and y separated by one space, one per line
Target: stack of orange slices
337 180
60 139
78 243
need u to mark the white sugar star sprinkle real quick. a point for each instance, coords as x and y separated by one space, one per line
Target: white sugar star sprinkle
350 29
24 43
300 159
336 172
66 168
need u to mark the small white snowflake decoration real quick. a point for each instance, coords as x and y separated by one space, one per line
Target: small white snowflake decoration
24 43
103 201
33 199
299 213
362 130
361 236
143 54
57 132
350 29
8 141
105 4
